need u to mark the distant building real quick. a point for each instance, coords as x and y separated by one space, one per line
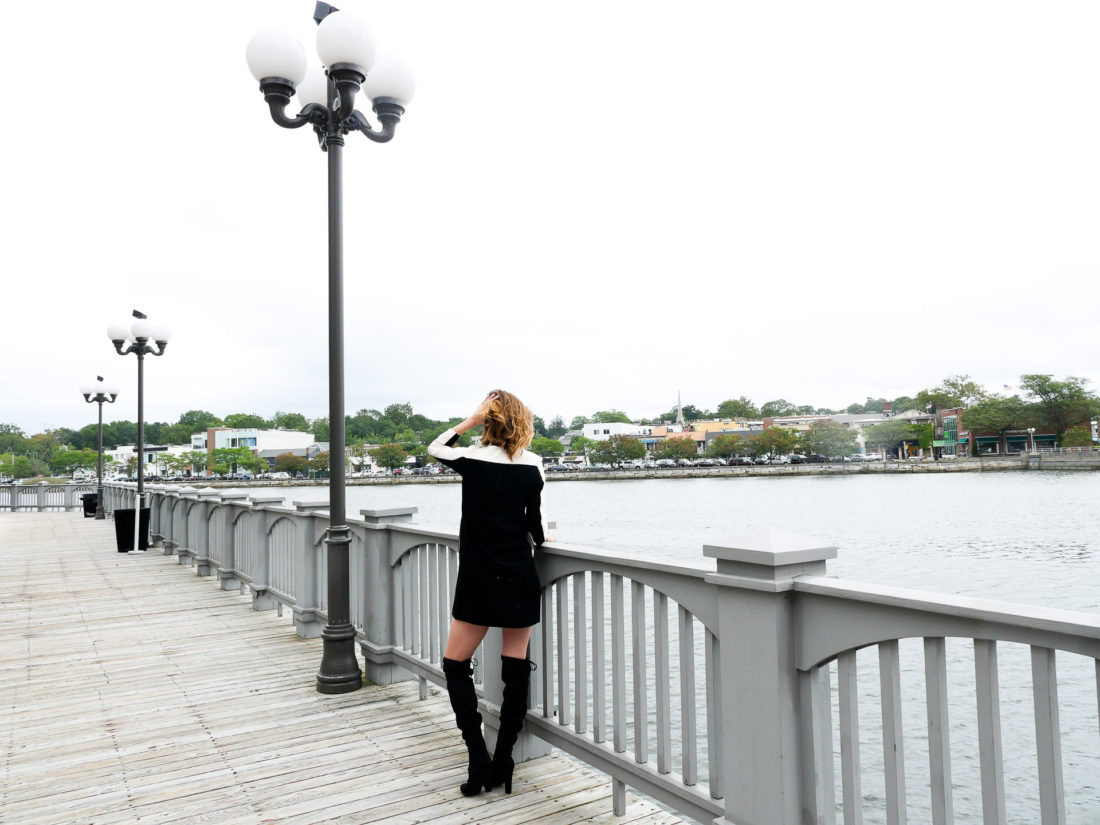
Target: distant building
602 432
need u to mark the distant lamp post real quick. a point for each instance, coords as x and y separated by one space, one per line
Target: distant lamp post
326 98
99 394
138 335
1031 438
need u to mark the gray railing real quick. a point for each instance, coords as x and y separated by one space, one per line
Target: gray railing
42 497
709 688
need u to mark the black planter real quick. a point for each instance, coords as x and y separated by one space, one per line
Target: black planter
89 501
124 529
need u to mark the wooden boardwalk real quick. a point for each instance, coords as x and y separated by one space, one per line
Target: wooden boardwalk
136 692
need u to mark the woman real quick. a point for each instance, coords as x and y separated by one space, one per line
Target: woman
497 584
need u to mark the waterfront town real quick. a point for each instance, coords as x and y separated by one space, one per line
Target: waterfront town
956 419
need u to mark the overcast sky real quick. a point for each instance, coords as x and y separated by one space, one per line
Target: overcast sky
591 204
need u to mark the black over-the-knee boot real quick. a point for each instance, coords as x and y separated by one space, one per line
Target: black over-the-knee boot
460 687
516 674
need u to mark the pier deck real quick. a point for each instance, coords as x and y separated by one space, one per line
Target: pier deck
135 691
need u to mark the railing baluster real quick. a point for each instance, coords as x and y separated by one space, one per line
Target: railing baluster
939 740
662 683
815 687
689 745
443 603
599 672
1048 736
715 752
397 582
893 754
414 599
988 694
432 613
425 604
548 708
561 588
580 654
851 791
638 666
618 665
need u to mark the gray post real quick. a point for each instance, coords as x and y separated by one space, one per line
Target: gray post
761 703
227 573
307 571
201 542
377 588
262 519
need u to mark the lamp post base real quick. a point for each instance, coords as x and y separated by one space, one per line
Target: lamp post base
339 671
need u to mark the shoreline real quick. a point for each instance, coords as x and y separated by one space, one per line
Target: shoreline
1080 461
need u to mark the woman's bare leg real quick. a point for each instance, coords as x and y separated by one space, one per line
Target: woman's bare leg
463 639
515 641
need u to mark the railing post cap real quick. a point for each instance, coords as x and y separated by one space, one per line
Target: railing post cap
383 515
207 492
309 506
233 496
771 547
262 501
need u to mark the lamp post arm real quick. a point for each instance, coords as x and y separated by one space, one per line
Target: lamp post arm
163 345
359 123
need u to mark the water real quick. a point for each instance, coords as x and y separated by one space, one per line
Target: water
1026 537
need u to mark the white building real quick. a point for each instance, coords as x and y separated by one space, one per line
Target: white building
154 460
602 432
218 438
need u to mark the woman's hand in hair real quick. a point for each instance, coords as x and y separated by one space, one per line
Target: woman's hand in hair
478 417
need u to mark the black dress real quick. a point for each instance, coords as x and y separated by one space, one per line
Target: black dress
501 524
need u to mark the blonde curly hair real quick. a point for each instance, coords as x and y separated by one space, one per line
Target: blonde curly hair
508 422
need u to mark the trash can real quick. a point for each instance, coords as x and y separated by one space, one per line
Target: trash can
89 500
124 529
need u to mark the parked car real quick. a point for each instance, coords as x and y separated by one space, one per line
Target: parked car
649 464
665 462
873 457
631 464
740 461
814 458
684 462
855 457
708 462
796 458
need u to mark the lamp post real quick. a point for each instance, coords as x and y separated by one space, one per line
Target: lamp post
1031 438
99 394
326 99
138 335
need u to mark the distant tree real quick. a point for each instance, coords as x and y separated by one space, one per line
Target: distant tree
724 446
539 425
903 403
320 462
247 421
609 417
888 435
1064 404
231 459
618 448
290 463
779 407
953 391
853 409
68 461
582 445
1077 437
996 414
828 438
675 448
11 438
197 460
738 408
319 428
195 421
774 441
547 447
389 455
578 422
290 421
556 428
16 466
